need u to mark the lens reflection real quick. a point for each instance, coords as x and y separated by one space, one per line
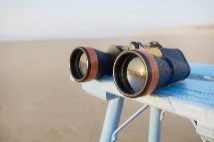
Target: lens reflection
136 74
83 64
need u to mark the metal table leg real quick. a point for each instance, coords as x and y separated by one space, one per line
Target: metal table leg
112 118
154 124
129 120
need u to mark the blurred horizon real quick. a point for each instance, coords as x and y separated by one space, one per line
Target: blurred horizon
198 29
78 19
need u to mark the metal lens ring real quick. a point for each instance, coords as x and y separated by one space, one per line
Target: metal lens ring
79 64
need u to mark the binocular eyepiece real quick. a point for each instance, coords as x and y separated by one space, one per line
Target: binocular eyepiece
137 69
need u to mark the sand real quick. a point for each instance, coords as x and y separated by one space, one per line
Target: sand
38 102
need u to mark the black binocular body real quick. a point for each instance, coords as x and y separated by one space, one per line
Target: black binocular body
137 69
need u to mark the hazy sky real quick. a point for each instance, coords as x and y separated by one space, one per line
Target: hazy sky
47 19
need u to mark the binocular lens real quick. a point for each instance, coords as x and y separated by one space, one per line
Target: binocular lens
131 73
80 64
136 74
83 64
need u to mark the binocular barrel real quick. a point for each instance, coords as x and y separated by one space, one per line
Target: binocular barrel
138 73
87 63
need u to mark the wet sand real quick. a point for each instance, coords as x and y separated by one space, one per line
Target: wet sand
38 102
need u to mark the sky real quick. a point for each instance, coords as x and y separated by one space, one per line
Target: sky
65 19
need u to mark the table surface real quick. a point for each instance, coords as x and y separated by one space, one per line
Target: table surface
192 98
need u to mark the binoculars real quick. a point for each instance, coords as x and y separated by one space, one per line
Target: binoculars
137 69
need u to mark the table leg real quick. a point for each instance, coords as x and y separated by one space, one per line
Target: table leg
112 118
154 124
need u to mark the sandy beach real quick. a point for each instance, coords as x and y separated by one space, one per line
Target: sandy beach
39 103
